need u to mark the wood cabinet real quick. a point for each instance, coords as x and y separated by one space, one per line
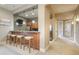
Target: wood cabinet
36 40
33 26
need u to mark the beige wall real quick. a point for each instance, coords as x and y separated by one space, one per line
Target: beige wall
76 27
4 14
65 15
68 16
55 27
47 27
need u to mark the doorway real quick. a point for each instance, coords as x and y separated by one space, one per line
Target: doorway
51 28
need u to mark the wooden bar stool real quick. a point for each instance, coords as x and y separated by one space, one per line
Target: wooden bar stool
13 38
29 38
8 39
19 40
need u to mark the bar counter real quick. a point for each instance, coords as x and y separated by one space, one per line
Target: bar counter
34 34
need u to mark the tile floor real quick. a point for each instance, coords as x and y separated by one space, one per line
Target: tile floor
57 47
7 51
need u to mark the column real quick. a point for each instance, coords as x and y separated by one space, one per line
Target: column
44 26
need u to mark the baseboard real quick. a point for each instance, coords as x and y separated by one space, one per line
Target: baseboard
47 47
42 50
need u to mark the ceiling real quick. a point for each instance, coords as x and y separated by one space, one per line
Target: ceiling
11 7
57 8
19 8
29 14
15 8
60 8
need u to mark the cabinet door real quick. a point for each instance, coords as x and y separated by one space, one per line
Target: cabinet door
36 41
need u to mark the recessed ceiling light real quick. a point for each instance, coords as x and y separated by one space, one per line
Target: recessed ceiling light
26 15
33 13
24 22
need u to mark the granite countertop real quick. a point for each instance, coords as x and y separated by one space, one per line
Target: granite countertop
26 31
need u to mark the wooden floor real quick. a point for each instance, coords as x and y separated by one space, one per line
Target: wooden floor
60 47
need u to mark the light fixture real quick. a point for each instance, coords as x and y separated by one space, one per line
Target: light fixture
24 22
33 21
26 15
72 22
77 19
50 27
17 23
33 13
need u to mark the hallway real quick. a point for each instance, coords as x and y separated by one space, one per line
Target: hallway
59 47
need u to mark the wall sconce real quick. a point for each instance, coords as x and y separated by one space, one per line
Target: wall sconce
50 27
72 22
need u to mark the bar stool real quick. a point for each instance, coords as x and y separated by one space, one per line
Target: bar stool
8 39
13 39
19 40
29 38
